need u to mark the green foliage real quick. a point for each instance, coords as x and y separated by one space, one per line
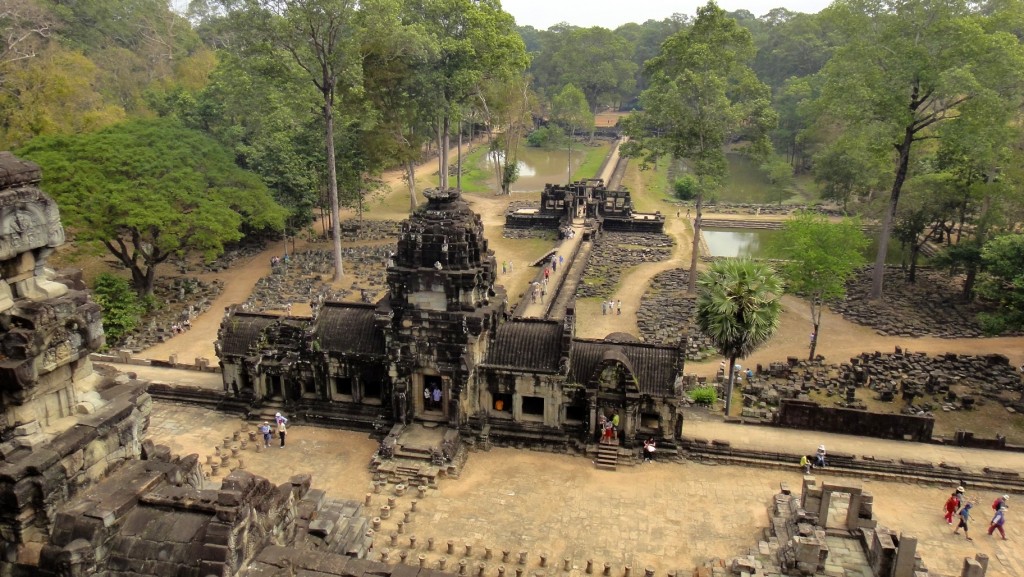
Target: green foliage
820 256
702 94
738 308
550 136
569 107
706 395
1002 283
595 60
686 187
122 306
150 189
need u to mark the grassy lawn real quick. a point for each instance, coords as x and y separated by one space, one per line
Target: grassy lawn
595 156
650 188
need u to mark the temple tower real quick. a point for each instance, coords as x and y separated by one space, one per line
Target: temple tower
443 306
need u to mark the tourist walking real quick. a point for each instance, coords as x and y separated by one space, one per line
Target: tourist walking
1001 501
504 267
268 435
618 307
965 517
615 425
997 522
953 504
426 398
282 430
604 307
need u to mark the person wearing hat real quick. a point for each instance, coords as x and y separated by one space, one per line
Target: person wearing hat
1000 502
267 434
965 516
997 522
819 457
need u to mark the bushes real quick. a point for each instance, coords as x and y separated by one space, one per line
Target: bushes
685 187
549 136
706 395
122 307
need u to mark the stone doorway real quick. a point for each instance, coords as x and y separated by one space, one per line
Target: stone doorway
432 408
838 510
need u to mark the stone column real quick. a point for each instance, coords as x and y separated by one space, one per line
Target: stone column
905 553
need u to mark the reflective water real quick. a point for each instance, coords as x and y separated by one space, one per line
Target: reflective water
746 182
538 166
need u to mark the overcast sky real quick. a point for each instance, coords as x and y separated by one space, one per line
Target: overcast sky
542 14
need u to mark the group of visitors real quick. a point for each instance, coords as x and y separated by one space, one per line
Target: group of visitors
507 267
566 232
281 424
609 428
432 398
959 506
820 460
611 307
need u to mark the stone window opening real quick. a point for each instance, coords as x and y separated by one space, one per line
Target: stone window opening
342 388
650 423
308 388
371 392
533 409
501 406
576 414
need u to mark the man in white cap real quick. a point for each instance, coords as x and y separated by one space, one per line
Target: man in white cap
1000 502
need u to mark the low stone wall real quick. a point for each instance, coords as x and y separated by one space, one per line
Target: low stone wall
811 416
613 253
667 313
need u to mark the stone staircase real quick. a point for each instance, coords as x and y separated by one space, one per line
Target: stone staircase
607 456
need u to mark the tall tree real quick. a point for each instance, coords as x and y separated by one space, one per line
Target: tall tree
477 43
508 104
738 308
321 38
702 95
819 256
907 67
569 107
149 189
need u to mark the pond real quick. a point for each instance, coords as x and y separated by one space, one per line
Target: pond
746 183
753 243
538 166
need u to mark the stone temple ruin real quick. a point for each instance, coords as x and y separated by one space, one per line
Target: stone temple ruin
442 350
589 199
82 492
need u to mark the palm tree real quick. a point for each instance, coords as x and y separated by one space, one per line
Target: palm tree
738 308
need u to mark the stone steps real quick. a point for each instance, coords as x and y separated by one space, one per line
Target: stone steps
607 456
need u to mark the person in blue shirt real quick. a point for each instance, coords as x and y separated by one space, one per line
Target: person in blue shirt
965 516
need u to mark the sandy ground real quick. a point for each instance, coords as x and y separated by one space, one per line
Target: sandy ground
666 516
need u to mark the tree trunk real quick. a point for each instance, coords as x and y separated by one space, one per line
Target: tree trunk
692 286
915 251
332 187
442 174
410 174
729 384
571 131
968 293
814 340
458 174
445 145
894 198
